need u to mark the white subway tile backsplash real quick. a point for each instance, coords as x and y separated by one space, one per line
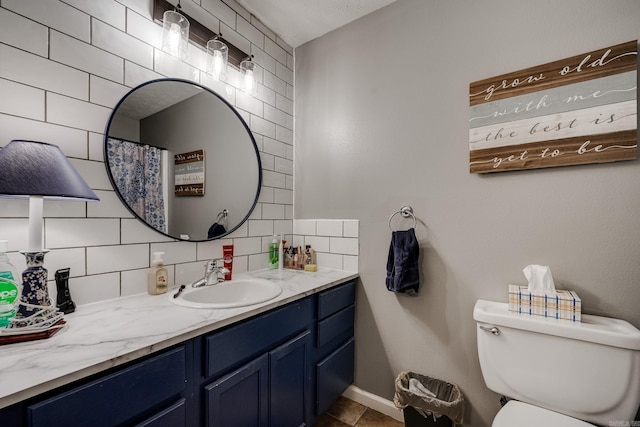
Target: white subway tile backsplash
350 263
175 252
283 226
272 211
72 142
135 75
284 104
121 44
211 249
109 11
144 29
73 258
284 73
78 114
105 92
329 227
344 245
247 246
60 209
250 104
20 100
235 38
172 67
285 135
96 146
284 165
88 289
54 14
260 227
250 32
109 206
275 83
134 231
279 117
10 207
274 147
135 281
275 51
266 195
283 196
94 173
329 260
85 57
305 227
23 33
188 273
105 259
16 232
318 243
70 233
39 72
221 11
262 126
273 179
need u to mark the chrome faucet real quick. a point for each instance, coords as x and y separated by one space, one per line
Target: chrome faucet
214 273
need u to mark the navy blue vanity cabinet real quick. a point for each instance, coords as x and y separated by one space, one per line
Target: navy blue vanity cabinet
334 347
256 372
152 392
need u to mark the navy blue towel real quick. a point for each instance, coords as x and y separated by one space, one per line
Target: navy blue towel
216 230
402 265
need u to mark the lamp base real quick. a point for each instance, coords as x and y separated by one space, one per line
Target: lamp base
35 310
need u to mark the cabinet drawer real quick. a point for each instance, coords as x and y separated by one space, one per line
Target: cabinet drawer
335 299
334 325
237 343
334 374
173 416
115 398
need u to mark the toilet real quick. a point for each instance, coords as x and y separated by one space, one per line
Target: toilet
559 373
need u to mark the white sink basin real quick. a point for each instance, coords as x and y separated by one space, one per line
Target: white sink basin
229 294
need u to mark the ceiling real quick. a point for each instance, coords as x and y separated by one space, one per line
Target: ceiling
299 21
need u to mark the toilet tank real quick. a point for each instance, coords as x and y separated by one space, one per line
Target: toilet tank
588 370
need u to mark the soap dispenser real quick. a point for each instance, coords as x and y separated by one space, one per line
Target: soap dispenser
158 277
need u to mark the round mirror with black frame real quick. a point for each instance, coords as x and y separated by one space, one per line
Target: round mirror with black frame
182 160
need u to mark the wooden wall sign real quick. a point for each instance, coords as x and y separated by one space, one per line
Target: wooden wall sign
189 173
574 111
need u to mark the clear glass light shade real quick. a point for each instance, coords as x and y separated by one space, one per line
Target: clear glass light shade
175 34
249 69
217 58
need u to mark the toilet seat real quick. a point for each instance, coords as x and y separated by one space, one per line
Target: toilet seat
521 414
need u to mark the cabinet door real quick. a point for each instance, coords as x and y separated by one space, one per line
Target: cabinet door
290 383
240 399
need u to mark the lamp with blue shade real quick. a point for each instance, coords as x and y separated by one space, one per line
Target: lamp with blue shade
38 171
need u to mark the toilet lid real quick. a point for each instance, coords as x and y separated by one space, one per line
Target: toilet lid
520 414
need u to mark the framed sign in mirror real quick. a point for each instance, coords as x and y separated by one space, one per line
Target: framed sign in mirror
155 146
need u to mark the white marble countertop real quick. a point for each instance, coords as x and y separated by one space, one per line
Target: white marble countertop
109 333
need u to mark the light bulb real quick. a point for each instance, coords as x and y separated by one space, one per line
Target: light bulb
217 65
249 81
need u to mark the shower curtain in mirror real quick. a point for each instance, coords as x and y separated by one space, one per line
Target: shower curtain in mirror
136 170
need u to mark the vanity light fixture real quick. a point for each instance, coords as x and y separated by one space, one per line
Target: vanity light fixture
38 171
217 58
248 68
175 33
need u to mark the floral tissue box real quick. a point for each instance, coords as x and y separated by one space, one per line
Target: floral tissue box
563 305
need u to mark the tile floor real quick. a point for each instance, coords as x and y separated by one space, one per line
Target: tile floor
347 413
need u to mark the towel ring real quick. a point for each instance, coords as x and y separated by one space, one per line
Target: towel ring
405 211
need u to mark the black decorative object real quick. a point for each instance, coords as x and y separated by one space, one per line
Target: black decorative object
63 300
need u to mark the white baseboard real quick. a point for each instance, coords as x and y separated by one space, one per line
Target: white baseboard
374 402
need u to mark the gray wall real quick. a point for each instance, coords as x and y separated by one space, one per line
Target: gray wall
382 121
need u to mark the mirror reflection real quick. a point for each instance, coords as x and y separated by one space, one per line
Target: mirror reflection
182 160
